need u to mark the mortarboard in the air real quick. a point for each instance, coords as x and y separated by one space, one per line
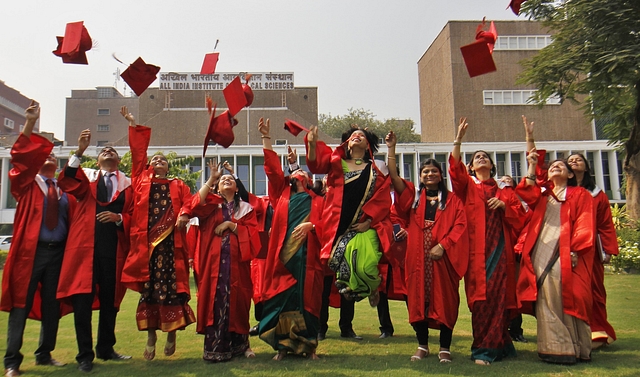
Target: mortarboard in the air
235 96
76 41
477 55
248 93
209 63
294 127
220 130
515 6
140 75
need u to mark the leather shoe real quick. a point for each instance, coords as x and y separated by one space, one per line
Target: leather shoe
253 331
85 366
351 335
385 335
12 372
322 336
52 362
519 338
114 356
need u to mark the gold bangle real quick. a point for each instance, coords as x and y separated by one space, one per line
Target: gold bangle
457 143
265 137
210 188
391 158
530 139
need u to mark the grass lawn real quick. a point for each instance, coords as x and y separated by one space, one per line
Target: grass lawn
370 357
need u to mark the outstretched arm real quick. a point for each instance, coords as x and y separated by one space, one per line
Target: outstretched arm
214 167
462 130
398 183
32 113
265 128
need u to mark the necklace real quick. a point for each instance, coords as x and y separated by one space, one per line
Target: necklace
358 161
432 199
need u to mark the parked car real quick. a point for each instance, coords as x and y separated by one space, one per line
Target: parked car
5 242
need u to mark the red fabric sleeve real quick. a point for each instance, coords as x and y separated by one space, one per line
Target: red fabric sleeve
459 177
139 138
322 163
604 224
28 154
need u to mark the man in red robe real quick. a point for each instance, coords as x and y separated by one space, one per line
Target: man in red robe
97 248
40 229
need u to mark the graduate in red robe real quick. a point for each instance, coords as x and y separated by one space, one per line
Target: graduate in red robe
97 247
293 273
158 263
557 262
228 242
32 268
437 252
356 211
493 214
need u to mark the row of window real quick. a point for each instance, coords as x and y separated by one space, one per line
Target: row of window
513 97
522 42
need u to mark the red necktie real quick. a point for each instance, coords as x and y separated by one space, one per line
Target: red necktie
51 217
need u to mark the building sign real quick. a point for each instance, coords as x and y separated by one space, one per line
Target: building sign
219 81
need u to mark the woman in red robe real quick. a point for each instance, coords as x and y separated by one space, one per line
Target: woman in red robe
557 260
228 242
606 245
437 253
493 214
158 264
356 213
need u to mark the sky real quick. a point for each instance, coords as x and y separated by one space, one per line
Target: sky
359 54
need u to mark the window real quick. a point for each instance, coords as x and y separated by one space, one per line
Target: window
501 164
259 176
9 123
21 127
102 143
606 173
281 142
516 167
104 112
103 128
522 42
105 92
513 97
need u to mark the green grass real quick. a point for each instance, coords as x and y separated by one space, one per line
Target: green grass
370 357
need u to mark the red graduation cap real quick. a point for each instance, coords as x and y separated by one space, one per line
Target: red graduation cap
246 88
294 127
515 6
235 97
477 55
140 75
76 41
220 130
209 63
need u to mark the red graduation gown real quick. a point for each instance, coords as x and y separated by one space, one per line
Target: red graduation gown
576 234
391 265
76 276
472 197
277 277
136 268
244 247
259 204
377 208
28 154
449 230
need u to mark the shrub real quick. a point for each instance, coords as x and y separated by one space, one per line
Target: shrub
3 258
629 257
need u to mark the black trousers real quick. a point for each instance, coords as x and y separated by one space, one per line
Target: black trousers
46 270
104 284
386 326
347 309
515 326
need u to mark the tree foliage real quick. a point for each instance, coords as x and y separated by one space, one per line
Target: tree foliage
177 167
594 60
335 126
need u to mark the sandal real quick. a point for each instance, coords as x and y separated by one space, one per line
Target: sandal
149 352
482 362
444 356
169 348
420 353
249 354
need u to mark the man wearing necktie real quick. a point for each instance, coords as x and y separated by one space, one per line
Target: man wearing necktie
98 248
39 235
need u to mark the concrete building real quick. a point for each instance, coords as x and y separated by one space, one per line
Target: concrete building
493 103
12 107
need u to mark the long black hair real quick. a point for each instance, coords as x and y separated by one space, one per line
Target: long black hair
442 187
494 170
372 139
587 180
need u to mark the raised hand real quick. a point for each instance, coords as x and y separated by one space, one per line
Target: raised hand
84 140
292 155
227 166
264 127
528 127
128 116
532 157
312 136
32 113
214 167
462 128
391 140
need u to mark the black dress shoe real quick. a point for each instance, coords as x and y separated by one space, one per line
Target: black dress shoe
52 362
12 372
322 336
385 335
85 366
254 330
519 338
351 335
114 356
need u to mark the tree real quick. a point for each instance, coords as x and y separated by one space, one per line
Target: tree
177 167
593 60
335 126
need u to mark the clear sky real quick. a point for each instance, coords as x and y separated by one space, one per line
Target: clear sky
360 53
